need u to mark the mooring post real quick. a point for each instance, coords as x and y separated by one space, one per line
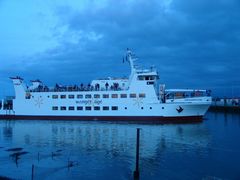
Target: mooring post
68 163
32 171
16 159
136 172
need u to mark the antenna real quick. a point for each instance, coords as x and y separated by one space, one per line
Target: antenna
130 58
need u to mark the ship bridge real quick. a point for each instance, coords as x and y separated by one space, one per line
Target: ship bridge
142 79
147 75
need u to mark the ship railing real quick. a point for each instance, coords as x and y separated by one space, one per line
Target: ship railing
78 89
172 94
186 93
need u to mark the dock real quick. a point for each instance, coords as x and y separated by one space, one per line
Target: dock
226 104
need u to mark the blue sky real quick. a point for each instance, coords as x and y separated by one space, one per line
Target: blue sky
192 43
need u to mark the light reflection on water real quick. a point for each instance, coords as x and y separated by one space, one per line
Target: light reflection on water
104 150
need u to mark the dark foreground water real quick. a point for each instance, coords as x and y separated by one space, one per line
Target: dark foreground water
103 150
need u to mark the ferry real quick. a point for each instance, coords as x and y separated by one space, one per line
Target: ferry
139 97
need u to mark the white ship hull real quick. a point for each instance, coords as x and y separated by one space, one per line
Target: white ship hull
41 107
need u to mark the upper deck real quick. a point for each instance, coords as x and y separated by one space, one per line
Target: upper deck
108 84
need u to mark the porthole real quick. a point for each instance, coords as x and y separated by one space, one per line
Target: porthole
141 107
150 107
162 107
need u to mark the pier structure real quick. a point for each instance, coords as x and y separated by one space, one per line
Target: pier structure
232 104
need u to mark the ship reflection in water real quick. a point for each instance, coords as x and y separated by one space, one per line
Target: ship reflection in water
103 150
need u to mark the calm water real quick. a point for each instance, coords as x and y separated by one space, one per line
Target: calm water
103 150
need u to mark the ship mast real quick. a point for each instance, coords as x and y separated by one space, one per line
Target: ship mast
130 58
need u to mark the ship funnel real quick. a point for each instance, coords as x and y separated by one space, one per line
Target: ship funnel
19 86
130 57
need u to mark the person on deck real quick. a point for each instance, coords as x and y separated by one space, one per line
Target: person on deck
81 87
106 85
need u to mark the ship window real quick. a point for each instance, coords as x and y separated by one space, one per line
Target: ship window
105 108
149 83
88 96
114 96
97 108
151 78
114 108
71 96
79 96
96 95
63 96
142 95
88 108
141 78
79 108
28 95
0 104
54 108
105 95
123 95
54 96
133 95
71 108
63 108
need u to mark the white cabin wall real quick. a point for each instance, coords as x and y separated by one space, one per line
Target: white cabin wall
142 87
20 92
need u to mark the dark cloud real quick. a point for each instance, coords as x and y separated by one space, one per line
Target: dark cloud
192 43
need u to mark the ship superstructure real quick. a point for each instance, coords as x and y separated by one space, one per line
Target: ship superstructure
138 97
